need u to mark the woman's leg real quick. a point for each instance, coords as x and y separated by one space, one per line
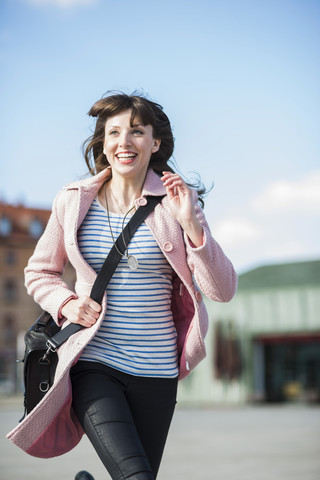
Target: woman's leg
101 405
152 402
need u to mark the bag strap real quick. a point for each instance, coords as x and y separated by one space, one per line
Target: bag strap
108 268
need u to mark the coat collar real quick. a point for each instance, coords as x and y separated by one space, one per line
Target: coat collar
90 183
152 185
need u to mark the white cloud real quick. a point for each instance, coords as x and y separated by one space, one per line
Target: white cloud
285 196
61 3
233 232
286 249
282 224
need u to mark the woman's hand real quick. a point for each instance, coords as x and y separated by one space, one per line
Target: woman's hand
182 206
82 310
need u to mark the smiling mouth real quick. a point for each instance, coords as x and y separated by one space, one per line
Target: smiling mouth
126 157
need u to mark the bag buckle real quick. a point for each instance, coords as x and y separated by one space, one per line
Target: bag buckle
44 387
51 348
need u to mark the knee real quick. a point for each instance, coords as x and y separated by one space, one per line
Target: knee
133 470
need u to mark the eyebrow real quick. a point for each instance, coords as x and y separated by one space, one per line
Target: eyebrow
134 125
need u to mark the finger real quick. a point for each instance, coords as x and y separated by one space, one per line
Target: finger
84 312
96 307
175 181
169 177
84 319
90 305
84 323
175 184
88 317
178 191
91 311
88 314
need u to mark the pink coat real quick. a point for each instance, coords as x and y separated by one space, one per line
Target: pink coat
52 429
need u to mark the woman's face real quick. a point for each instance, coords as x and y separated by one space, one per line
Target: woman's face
128 148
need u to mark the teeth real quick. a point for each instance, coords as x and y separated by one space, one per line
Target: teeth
126 155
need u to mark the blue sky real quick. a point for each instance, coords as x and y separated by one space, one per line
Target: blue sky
238 79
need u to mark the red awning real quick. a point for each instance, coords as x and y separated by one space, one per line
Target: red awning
274 338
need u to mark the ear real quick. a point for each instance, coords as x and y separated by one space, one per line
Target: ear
156 145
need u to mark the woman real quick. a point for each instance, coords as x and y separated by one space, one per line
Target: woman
150 329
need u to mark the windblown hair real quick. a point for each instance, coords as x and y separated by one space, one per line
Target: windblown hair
149 113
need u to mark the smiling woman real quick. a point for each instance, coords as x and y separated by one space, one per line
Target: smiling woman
142 111
128 147
149 331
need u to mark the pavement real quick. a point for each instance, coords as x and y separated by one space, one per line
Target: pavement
219 443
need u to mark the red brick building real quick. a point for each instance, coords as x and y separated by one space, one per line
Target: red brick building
20 229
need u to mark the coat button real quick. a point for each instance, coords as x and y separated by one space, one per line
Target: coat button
142 201
167 246
198 296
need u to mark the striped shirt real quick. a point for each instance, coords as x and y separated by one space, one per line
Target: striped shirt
137 335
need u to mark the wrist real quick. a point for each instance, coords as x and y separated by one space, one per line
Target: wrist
194 231
63 308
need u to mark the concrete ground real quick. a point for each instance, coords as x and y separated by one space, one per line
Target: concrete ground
239 443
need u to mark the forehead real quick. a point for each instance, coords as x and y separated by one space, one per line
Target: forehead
123 118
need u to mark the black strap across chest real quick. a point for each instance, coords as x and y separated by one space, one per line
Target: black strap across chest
109 266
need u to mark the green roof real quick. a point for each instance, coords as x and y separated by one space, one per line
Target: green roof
284 275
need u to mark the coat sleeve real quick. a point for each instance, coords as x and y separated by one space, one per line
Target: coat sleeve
45 267
212 270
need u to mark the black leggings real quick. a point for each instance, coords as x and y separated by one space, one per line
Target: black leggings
125 417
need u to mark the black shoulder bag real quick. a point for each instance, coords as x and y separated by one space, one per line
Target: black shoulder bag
44 337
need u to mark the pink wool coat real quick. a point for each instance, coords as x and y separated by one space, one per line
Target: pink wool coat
52 429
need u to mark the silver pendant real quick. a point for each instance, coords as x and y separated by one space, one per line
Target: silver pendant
133 263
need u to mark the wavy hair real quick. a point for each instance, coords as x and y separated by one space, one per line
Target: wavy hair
149 113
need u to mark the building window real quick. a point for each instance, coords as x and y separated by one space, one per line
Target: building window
228 361
5 226
10 257
36 228
10 290
9 331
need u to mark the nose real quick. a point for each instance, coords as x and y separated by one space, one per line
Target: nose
124 140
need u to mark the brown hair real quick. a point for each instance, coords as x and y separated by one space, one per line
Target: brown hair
149 113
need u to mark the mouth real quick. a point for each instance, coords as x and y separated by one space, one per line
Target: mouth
126 157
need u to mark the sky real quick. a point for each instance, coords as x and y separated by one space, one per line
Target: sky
239 81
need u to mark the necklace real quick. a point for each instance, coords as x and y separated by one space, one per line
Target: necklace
132 261
116 200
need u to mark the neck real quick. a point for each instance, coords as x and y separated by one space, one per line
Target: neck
120 194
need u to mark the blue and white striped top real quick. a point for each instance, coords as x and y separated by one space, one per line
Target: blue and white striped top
137 335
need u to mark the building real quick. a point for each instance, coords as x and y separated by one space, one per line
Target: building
264 345
20 229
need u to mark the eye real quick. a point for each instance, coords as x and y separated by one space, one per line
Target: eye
113 132
137 131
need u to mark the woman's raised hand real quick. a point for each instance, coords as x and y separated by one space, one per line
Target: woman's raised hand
179 196
82 310
182 206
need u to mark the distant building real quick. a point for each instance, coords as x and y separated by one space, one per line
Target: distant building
264 345
20 229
